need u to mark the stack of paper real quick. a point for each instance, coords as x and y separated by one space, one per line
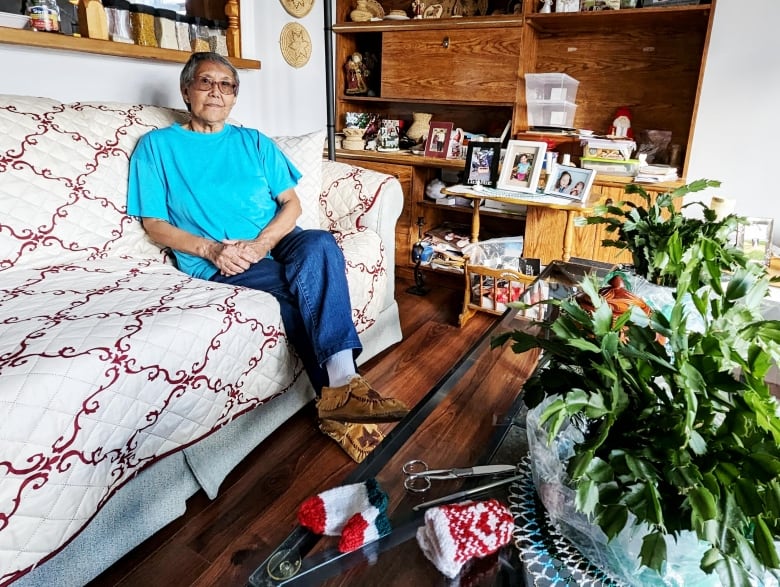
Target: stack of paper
656 173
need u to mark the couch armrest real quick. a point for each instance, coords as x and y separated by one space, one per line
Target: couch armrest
356 197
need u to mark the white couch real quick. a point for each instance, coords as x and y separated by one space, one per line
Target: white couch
121 378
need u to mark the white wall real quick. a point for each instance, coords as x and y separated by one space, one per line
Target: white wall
277 99
734 141
739 116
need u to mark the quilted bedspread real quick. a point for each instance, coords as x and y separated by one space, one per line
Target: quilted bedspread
110 358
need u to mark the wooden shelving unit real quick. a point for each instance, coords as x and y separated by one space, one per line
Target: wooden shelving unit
99 47
214 9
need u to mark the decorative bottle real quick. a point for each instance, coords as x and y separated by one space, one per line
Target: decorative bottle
44 15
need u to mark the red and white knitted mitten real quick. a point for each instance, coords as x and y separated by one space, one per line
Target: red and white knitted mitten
328 512
454 534
363 528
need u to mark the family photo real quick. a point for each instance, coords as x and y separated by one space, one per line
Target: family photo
482 163
571 182
522 165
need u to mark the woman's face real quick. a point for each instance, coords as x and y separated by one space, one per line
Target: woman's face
565 180
209 108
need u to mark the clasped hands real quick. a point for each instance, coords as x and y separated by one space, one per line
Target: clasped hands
233 257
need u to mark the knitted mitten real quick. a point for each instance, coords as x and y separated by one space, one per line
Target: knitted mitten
329 511
454 534
364 527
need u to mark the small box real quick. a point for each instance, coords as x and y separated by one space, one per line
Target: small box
550 113
559 87
608 149
629 167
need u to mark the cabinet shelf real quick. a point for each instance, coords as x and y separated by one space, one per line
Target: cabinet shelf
96 46
473 22
402 158
625 18
380 100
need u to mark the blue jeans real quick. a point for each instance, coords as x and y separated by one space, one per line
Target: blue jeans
307 275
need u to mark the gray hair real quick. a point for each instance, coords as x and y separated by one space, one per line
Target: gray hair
188 73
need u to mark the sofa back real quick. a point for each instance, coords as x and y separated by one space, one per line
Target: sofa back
63 179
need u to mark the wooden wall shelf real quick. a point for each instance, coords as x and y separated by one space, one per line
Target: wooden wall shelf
95 46
611 20
473 22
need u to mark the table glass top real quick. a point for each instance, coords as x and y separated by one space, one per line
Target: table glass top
475 415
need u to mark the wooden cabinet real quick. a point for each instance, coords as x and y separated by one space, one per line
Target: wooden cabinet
471 71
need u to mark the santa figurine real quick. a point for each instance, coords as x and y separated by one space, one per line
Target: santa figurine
621 126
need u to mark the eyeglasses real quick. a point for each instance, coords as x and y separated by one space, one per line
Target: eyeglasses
204 84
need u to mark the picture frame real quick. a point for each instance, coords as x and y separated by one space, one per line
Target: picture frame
570 182
438 140
754 238
522 165
482 163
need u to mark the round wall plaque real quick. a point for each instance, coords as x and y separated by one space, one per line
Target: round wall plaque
295 43
298 8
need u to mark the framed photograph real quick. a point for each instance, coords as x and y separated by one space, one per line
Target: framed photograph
438 139
570 182
522 163
755 239
482 163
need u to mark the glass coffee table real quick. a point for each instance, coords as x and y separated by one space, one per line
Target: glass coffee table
475 415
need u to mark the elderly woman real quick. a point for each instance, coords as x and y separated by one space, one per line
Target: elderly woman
222 197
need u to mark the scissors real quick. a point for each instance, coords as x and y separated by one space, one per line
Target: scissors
418 475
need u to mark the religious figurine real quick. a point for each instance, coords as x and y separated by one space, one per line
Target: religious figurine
418 8
355 75
546 7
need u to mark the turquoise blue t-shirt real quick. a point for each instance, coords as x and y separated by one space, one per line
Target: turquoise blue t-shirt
219 186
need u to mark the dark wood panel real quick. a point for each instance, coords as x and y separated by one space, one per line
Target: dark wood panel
623 69
452 64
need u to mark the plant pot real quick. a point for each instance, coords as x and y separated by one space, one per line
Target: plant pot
619 557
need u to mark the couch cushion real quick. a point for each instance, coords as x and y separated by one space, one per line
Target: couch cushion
305 151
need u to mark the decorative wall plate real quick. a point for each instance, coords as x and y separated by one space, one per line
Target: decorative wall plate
295 44
298 8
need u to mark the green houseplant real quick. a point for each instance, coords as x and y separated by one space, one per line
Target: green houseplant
658 233
681 432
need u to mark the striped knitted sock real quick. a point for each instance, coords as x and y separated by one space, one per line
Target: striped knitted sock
364 527
454 534
328 512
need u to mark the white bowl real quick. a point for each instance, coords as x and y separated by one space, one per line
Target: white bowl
14 21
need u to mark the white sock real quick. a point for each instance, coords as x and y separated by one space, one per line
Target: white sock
340 368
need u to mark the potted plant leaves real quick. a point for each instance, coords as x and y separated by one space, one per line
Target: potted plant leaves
678 434
658 233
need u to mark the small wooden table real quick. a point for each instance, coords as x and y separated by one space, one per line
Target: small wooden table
549 228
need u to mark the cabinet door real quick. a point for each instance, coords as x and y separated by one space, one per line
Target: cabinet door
478 65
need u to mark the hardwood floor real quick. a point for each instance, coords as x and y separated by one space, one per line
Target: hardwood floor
221 542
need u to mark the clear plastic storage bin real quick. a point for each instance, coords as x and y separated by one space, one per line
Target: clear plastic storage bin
550 113
557 87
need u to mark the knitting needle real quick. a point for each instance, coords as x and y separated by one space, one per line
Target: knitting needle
465 493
